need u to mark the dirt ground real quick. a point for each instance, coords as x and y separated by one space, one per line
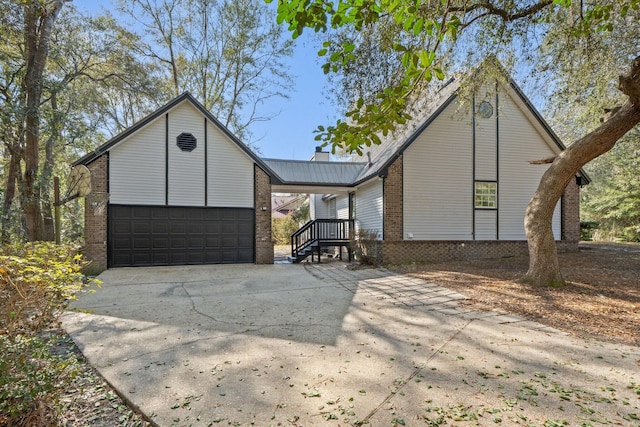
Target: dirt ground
601 300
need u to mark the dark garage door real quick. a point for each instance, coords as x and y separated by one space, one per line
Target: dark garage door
168 235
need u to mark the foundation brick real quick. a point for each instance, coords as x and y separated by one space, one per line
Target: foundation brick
95 222
571 213
392 202
264 240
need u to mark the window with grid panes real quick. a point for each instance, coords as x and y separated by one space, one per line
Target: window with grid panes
486 195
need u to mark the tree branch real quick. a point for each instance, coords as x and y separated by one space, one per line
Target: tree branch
492 9
630 84
542 161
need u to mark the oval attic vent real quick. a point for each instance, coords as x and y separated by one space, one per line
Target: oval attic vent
186 141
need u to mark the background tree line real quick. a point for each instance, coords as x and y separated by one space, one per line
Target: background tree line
68 81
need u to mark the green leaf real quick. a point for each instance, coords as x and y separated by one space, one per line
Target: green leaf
418 26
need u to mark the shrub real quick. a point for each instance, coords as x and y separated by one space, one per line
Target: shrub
367 247
587 229
283 228
37 282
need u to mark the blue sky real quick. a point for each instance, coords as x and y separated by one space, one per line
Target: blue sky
290 134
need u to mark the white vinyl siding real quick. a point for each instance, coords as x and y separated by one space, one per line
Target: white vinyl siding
486 144
186 168
369 207
319 209
438 181
137 167
486 224
231 174
520 143
342 206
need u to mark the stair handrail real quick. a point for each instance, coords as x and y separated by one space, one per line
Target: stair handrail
296 246
310 233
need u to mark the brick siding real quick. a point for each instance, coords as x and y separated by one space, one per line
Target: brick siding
262 194
392 202
95 223
420 251
571 213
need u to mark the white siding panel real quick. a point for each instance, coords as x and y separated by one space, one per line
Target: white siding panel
230 170
369 207
186 168
557 221
486 145
438 181
520 143
342 206
319 209
486 224
137 167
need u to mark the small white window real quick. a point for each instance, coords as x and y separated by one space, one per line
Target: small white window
486 195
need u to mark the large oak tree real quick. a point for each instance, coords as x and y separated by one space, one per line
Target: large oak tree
456 27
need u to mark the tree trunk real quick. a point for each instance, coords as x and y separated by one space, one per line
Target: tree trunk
9 195
38 26
47 171
544 268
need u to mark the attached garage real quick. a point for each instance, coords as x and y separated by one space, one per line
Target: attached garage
177 188
161 235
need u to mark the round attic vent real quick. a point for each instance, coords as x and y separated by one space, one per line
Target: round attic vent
485 110
186 142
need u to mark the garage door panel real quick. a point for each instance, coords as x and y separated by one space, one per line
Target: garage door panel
177 227
212 227
213 257
178 243
213 242
141 212
195 228
161 235
246 256
141 243
159 214
122 259
160 227
160 243
141 227
178 258
121 244
229 228
196 257
229 242
121 227
244 227
245 243
160 258
140 259
246 215
196 243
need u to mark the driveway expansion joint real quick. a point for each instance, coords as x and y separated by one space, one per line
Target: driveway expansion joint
415 372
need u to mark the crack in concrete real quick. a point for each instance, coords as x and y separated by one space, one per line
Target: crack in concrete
252 326
416 371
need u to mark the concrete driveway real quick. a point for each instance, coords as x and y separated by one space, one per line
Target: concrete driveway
299 345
